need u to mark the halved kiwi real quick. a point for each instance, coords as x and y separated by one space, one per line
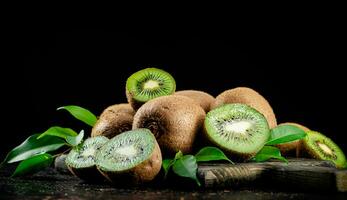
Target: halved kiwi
291 148
174 120
202 98
148 84
250 97
238 129
81 159
318 146
131 157
114 120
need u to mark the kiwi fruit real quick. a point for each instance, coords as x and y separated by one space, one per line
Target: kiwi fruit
250 97
148 84
202 98
291 148
318 146
81 159
238 129
174 120
132 157
114 120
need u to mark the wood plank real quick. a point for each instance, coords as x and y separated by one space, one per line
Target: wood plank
298 174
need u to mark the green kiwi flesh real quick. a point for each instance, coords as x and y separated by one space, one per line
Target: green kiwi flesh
238 129
81 159
249 97
114 120
319 146
131 157
148 84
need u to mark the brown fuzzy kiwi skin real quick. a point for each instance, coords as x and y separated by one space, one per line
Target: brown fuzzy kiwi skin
133 103
174 120
114 120
292 148
202 98
90 174
144 172
249 97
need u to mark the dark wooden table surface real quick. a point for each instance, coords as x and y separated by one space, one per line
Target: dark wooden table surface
50 184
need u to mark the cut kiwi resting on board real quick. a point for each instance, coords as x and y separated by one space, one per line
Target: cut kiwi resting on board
202 98
114 120
291 148
81 159
249 97
148 84
238 129
174 120
132 157
318 146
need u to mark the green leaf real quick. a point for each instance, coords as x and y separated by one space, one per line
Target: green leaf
75 140
33 146
33 164
59 132
81 114
210 154
186 166
268 152
285 133
167 163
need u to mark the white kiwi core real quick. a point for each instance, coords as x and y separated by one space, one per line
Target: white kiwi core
150 84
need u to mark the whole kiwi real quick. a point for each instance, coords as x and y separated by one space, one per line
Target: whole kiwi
291 148
114 120
174 120
202 98
249 97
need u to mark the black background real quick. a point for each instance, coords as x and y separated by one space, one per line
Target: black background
297 65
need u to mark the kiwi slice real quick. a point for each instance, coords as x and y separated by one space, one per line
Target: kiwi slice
148 84
202 98
174 120
238 129
318 146
291 148
81 159
250 97
114 120
131 157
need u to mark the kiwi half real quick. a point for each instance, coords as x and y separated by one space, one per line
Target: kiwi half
238 129
174 120
81 159
291 148
130 158
250 97
318 146
148 84
114 120
202 98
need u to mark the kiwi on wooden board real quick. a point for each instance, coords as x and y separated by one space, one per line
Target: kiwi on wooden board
291 148
81 159
114 120
240 130
148 84
130 158
250 97
174 120
202 98
318 146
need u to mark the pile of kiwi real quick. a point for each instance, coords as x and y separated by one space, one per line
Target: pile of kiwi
129 140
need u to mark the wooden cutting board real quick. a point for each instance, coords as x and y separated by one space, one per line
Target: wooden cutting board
298 174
